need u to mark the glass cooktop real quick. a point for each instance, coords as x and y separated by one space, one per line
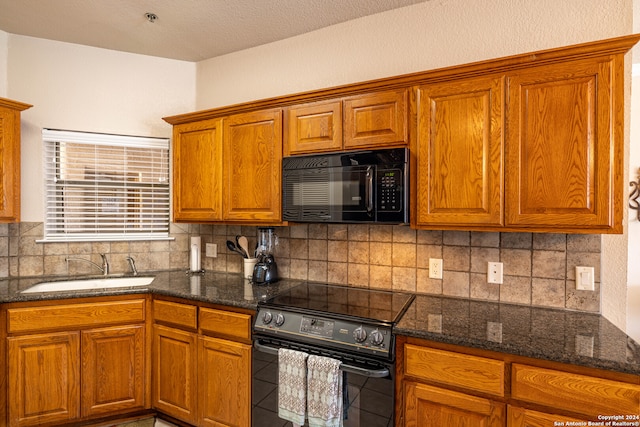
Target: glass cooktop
371 304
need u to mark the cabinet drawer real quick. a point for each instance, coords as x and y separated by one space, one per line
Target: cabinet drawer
175 314
460 370
225 323
573 392
71 316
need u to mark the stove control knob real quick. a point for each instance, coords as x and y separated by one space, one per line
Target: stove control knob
279 319
376 337
267 317
359 334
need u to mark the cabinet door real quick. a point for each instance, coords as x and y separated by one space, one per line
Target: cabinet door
460 153
564 146
253 167
314 127
175 372
9 164
113 370
427 406
44 378
520 417
377 119
225 382
197 171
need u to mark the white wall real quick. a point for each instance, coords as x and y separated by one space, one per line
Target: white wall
425 36
83 88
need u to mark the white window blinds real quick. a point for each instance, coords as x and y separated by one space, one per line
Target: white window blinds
105 187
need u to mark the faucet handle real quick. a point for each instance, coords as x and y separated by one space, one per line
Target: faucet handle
132 264
105 264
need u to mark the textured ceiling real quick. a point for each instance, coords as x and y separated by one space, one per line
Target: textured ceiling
190 30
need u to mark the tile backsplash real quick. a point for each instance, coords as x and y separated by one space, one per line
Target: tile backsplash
539 269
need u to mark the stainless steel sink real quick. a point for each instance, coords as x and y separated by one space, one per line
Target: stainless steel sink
87 284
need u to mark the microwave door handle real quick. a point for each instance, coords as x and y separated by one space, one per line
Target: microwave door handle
368 192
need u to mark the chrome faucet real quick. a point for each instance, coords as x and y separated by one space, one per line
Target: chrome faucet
132 264
104 268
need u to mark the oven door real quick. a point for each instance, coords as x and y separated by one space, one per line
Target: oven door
329 194
369 393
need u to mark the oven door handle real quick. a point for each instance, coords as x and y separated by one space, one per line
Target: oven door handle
371 373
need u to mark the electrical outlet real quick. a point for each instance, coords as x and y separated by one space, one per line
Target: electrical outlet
584 279
211 250
494 272
435 268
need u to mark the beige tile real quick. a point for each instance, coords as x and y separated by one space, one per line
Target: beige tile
181 243
550 242
181 260
381 233
480 256
487 240
549 264
317 270
455 283
55 265
358 252
4 230
516 240
516 262
583 259
582 300
299 248
32 229
31 266
456 238
284 268
337 250
380 254
163 245
424 252
299 269
380 277
404 279
456 258
426 285
404 255
318 250
337 232
429 237
548 292
100 247
337 273
299 231
220 230
358 232
318 231
358 274
516 289
28 246
141 246
4 267
4 246
123 247
480 289
584 242
404 234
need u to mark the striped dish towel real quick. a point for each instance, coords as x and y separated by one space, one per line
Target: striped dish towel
324 392
292 385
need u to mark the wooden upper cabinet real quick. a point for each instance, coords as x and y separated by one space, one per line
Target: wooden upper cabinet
375 120
253 167
459 152
197 171
565 146
370 120
314 127
10 159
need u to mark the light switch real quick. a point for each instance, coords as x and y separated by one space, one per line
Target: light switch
584 279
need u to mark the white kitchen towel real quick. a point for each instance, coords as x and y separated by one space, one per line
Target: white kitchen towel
292 385
324 392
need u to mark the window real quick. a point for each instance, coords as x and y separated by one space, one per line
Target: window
105 187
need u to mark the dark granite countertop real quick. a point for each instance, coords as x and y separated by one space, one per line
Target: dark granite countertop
570 337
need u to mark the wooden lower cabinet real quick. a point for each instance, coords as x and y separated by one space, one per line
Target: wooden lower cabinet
224 386
174 373
199 379
43 379
428 406
520 417
113 370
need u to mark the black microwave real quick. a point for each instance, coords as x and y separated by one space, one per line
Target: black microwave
347 187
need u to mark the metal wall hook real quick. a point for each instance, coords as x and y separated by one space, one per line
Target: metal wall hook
635 195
